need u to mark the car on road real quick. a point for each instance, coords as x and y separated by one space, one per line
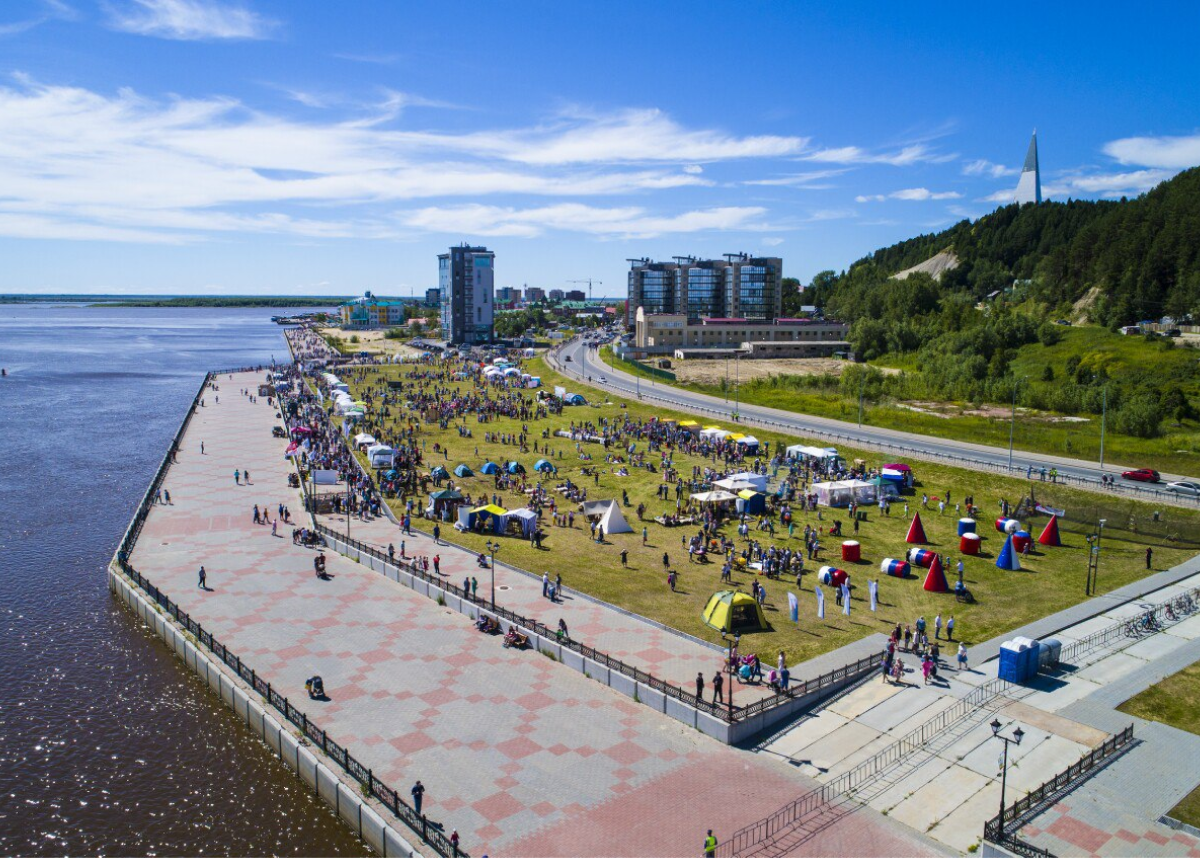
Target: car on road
603 380
1141 475
1184 487
567 358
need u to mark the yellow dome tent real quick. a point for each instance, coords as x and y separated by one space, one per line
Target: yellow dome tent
731 611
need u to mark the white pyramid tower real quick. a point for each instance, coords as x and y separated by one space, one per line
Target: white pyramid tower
1029 189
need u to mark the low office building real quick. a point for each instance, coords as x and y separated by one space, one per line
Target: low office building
675 334
371 312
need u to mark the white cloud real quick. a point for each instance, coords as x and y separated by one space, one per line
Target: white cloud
622 222
182 168
188 20
773 241
1119 184
910 195
1005 196
374 59
914 154
812 180
1165 152
983 167
693 169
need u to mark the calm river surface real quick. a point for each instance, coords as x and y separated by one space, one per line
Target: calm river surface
108 745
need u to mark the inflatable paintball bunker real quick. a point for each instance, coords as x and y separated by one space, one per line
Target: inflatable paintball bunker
1050 535
851 551
832 576
1008 525
921 557
895 568
1021 540
1008 559
966 525
969 543
916 532
935 581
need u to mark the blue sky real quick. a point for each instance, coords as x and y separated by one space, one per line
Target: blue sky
198 146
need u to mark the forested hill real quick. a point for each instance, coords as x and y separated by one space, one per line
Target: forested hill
1142 254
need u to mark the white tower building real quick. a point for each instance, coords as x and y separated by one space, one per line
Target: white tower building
1029 188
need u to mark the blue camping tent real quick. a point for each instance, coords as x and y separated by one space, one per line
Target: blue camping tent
463 471
515 468
1008 558
545 465
439 473
490 468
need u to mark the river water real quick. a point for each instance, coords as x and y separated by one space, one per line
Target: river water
108 744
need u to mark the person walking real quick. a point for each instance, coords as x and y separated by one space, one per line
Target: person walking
950 628
203 582
545 585
718 684
666 560
1149 556
418 796
625 558
699 686
962 656
937 627
246 476
474 588
645 536
710 845
201 448
437 535
237 476
437 564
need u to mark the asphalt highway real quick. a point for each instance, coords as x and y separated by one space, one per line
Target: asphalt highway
584 363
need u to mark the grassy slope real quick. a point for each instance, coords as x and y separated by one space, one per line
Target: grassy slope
1005 599
1174 701
1175 452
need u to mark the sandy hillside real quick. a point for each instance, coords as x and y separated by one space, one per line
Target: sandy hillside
935 266
712 371
373 341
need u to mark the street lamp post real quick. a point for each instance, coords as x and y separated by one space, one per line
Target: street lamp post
737 386
493 547
1017 735
1103 420
1012 425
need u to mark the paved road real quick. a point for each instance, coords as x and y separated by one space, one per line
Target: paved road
584 362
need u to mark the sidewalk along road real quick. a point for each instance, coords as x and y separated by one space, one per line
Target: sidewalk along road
584 362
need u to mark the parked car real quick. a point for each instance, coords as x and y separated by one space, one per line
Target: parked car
603 380
1184 488
1142 475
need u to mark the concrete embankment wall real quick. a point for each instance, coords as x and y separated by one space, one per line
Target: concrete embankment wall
346 801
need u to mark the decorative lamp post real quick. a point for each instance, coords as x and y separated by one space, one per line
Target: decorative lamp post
1017 735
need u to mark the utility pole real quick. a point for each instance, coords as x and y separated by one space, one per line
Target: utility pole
1013 421
1103 419
862 384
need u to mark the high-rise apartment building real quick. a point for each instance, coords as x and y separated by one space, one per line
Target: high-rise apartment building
507 295
739 287
466 278
534 294
555 295
574 295
433 297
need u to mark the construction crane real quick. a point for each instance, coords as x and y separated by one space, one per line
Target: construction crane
589 281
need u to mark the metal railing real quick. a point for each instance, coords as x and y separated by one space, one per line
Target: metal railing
722 712
995 829
1154 619
431 833
745 840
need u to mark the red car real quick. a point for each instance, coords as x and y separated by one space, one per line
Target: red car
1142 475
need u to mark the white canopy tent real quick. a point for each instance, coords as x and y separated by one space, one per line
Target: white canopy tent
363 438
842 492
527 517
381 456
748 441
714 497
797 450
758 481
715 434
731 484
609 514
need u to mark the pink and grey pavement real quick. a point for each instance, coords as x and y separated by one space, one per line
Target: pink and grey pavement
519 754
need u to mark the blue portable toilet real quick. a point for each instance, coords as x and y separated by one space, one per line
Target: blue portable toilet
1011 661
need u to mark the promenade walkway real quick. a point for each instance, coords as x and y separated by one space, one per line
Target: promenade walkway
519 754
950 787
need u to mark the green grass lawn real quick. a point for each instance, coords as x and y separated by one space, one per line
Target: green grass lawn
1174 701
1176 451
1006 600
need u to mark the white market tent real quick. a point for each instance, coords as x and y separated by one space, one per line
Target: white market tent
759 481
527 517
730 484
748 441
797 450
713 497
714 433
842 492
363 438
381 456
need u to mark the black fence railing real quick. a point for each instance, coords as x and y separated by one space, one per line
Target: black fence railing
995 830
724 713
431 833
1154 619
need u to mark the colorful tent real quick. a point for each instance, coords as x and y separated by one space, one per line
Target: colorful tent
916 532
463 471
1008 559
935 581
515 468
545 465
1050 534
731 611
752 502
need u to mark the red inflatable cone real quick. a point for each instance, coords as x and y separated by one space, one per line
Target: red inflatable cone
935 581
916 533
1050 533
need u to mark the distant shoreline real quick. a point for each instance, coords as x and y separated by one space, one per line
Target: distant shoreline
226 301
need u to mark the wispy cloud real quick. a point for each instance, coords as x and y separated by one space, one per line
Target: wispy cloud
1164 152
53 10
812 180
906 156
187 20
76 163
373 59
910 195
772 241
621 222
984 167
